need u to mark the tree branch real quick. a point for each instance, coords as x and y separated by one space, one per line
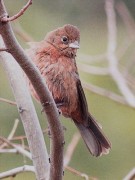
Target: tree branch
74 171
8 101
18 148
71 148
14 172
5 18
49 106
4 49
13 150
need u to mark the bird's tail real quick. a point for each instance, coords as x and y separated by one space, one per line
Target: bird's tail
94 138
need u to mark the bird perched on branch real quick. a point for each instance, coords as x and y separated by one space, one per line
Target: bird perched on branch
55 58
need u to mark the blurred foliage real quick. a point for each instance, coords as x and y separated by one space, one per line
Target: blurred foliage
117 120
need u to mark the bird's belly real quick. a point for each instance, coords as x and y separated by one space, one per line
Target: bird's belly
63 88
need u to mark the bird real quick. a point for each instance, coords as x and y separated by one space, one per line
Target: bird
55 57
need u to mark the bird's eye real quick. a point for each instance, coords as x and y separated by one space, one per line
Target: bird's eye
64 39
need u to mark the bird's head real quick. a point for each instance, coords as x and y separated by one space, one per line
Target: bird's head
65 39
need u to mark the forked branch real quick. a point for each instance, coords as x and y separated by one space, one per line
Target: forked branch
6 18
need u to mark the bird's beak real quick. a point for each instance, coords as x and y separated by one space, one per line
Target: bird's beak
74 45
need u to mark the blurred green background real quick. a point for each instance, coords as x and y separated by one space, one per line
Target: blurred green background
118 120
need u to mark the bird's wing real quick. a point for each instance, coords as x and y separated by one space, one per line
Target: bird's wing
82 101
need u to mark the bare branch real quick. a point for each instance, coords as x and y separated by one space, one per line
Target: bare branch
15 151
78 173
11 133
112 59
13 129
4 49
8 101
18 148
16 171
71 148
20 13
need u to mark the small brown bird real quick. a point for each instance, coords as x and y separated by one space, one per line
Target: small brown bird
55 58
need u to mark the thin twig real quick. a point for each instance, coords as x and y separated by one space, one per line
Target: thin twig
20 13
14 151
8 101
78 173
10 136
112 59
18 148
19 137
4 49
13 129
19 145
71 148
14 172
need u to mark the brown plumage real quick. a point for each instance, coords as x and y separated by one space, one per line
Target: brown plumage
55 58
